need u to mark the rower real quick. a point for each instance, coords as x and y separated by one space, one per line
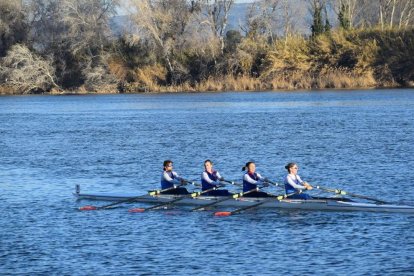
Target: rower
170 179
211 179
251 179
294 184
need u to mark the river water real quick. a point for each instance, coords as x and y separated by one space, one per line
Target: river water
360 141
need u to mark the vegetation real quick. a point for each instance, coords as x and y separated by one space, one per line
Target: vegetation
60 46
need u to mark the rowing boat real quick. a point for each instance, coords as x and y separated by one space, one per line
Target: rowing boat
328 204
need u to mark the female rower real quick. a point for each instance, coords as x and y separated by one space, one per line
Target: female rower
294 184
251 179
211 179
170 179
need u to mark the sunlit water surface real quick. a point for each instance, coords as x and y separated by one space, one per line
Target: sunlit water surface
361 141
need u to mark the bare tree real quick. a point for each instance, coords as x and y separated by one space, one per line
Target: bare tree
87 24
75 32
346 11
383 13
406 13
263 18
217 13
165 24
26 71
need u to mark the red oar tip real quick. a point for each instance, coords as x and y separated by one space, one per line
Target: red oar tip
87 208
136 210
222 214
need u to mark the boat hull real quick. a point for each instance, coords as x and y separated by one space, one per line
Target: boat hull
334 204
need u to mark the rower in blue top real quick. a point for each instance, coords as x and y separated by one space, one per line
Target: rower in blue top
294 184
251 179
171 179
211 179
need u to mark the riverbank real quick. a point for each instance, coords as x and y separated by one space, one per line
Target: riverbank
333 80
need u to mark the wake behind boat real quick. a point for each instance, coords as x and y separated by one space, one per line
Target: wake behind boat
323 204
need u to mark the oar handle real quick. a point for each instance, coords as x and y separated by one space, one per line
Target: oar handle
157 192
196 194
231 182
276 184
245 193
186 181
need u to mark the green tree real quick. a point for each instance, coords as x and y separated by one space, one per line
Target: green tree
317 24
343 17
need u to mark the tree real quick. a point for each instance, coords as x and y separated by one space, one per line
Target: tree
169 26
13 27
317 24
75 32
343 17
217 13
26 71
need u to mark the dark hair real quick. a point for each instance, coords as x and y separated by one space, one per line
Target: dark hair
208 161
247 165
166 163
289 166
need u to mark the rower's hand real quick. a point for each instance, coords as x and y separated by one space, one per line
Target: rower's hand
307 186
265 184
182 181
266 180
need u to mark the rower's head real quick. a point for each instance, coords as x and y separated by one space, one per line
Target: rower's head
208 165
292 168
168 165
250 167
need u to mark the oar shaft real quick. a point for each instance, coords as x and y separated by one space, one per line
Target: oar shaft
157 192
224 199
192 195
276 198
249 207
342 192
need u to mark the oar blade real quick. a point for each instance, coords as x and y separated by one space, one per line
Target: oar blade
88 208
136 210
222 214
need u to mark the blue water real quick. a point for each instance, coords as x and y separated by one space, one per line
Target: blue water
360 141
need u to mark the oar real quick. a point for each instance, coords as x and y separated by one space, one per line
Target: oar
232 183
229 213
152 193
342 192
282 186
224 199
193 195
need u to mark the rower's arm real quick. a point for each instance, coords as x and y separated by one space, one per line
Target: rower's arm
208 180
247 178
219 178
293 184
175 180
261 179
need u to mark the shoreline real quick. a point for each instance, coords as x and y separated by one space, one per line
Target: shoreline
176 91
